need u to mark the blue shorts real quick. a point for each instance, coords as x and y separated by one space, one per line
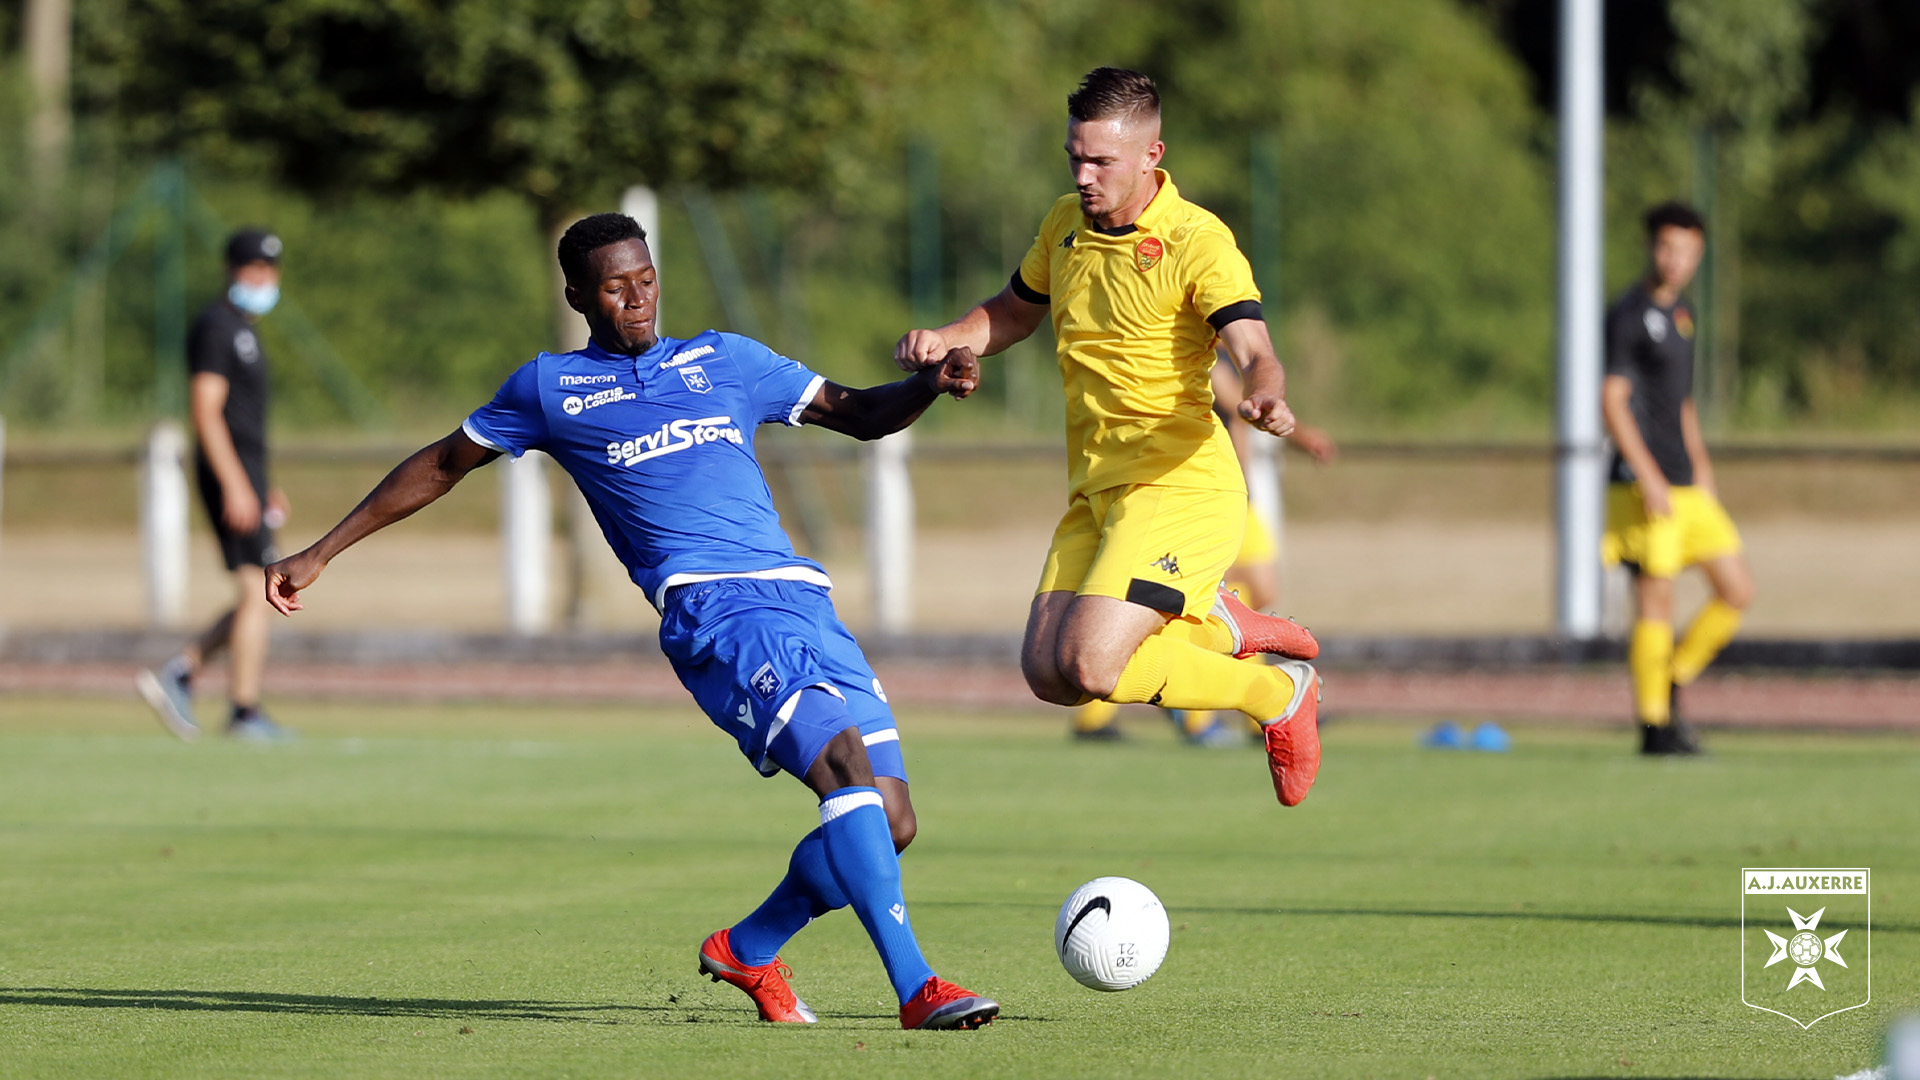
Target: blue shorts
746 649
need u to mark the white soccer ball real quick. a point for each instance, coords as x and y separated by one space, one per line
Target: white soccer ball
1111 934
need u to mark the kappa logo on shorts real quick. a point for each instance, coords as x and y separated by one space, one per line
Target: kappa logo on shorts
1168 564
766 682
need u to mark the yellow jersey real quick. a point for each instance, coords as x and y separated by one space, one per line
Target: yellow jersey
1131 310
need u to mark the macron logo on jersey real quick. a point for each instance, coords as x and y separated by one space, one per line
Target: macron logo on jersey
674 437
686 356
586 380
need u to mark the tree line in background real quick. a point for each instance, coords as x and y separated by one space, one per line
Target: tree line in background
1388 164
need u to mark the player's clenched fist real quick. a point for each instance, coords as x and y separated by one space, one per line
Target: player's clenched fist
287 577
919 349
957 373
1268 413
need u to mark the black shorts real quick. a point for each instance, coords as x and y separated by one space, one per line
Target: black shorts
238 549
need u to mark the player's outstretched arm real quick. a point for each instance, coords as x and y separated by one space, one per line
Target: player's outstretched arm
430 473
879 411
1263 401
991 327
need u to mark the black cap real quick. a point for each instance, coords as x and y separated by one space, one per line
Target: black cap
253 245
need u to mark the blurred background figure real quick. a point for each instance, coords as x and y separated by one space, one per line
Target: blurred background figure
227 402
1255 574
1663 512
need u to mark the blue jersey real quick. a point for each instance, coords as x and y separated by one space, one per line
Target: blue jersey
661 445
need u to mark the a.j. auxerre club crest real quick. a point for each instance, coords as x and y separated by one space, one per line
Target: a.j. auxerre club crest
1806 941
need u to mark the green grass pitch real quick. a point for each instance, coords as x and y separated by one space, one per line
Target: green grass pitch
502 891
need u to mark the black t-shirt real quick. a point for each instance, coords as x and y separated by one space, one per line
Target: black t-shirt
222 342
1652 347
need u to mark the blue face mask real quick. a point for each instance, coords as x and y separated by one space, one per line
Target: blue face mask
255 300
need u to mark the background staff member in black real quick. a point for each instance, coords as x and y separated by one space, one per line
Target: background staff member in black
1663 513
228 405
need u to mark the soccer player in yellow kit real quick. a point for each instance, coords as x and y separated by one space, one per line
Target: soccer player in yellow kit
1663 514
1254 575
1141 284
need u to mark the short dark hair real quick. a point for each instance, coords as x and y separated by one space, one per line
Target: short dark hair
590 234
1108 93
1677 215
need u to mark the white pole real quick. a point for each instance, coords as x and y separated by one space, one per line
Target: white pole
163 524
526 527
642 205
890 532
1580 483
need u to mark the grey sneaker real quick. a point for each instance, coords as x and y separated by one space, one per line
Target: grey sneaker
168 690
254 726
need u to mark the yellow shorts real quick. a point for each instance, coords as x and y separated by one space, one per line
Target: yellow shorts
1166 548
1697 531
1257 546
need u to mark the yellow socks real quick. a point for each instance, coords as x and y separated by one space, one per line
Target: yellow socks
1650 659
1210 633
1094 715
1174 673
1711 630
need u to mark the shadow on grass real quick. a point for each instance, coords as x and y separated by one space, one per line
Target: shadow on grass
76 997
1703 922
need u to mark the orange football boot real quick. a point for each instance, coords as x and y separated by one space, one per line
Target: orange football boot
1293 737
1257 633
766 984
942 1005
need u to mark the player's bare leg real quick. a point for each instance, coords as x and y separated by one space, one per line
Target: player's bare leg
247 643
1130 653
1040 650
247 657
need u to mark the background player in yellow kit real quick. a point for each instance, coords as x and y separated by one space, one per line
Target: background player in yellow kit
1663 514
1141 284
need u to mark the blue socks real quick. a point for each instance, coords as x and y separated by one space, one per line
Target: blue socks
859 851
849 859
806 893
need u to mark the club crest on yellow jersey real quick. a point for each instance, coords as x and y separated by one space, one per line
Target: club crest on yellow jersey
1148 253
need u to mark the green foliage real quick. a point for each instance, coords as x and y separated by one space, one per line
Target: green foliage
559 100
418 156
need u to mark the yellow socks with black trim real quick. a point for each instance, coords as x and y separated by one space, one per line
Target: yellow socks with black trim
1095 715
1210 633
1650 659
1711 630
1177 674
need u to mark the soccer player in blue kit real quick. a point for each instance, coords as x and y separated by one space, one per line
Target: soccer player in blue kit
658 434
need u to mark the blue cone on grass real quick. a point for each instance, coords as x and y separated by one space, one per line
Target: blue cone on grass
1489 737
